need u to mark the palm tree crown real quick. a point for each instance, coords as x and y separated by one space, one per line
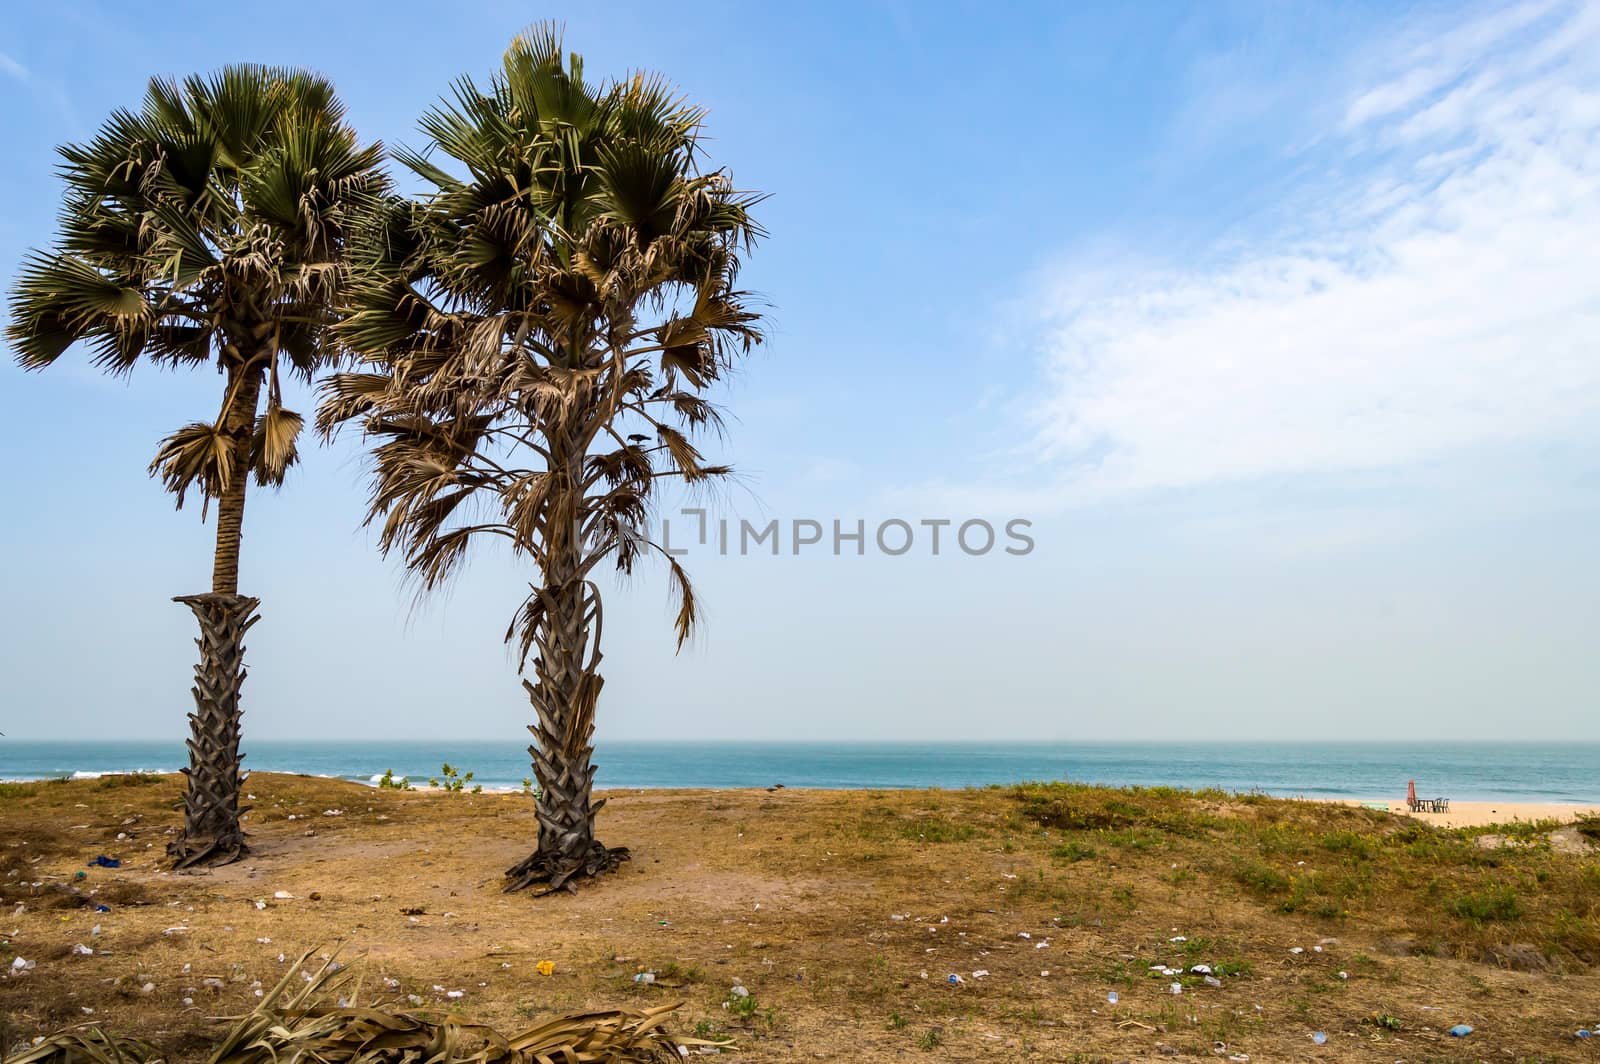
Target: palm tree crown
207 226
506 318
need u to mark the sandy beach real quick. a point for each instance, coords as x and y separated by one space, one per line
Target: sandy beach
1470 814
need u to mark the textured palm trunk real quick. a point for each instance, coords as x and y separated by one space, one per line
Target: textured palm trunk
567 686
239 426
211 828
211 811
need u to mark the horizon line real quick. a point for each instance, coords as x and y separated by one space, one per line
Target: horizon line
794 741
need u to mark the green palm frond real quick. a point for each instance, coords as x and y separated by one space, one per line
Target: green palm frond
60 299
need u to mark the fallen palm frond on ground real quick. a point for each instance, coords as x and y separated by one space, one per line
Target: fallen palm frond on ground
85 1045
289 1027
293 1024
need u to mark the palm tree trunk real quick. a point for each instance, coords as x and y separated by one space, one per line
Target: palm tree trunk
211 830
566 666
211 814
239 424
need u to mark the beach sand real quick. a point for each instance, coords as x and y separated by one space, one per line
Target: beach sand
1482 814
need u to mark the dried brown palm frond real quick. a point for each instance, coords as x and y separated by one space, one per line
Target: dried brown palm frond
88 1044
293 1024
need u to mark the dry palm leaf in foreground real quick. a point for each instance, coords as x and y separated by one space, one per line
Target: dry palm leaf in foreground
85 1045
295 1028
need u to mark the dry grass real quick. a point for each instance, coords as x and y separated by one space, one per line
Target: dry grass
794 895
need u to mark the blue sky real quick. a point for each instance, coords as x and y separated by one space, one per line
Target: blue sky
1279 322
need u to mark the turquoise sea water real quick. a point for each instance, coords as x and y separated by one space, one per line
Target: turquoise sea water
1568 772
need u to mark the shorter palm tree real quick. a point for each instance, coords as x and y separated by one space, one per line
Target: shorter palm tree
208 227
537 339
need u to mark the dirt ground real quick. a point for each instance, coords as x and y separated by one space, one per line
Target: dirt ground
842 914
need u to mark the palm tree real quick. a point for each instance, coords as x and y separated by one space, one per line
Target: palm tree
208 227
520 323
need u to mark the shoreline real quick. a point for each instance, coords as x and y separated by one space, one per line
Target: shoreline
1464 812
1477 812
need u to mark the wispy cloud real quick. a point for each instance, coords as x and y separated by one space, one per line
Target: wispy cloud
12 67
1442 299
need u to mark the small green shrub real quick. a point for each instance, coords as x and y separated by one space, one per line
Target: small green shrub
452 780
1263 879
674 971
1481 907
937 831
129 779
1074 851
743 1006
1361 847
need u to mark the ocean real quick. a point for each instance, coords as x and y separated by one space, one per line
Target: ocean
1563 772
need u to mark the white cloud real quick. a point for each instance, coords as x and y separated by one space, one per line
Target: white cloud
12 67
1448 299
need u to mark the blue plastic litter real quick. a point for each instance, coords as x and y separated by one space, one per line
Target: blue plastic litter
102 908
1319 1037
1461 1030
1583 1034
1112 997
105 862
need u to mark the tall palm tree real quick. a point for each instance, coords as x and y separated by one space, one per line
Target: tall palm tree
519 324
208 227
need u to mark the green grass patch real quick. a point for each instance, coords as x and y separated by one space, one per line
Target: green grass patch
1074 851
130 779
1498 904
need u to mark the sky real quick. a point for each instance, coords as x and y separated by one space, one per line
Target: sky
1278 324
